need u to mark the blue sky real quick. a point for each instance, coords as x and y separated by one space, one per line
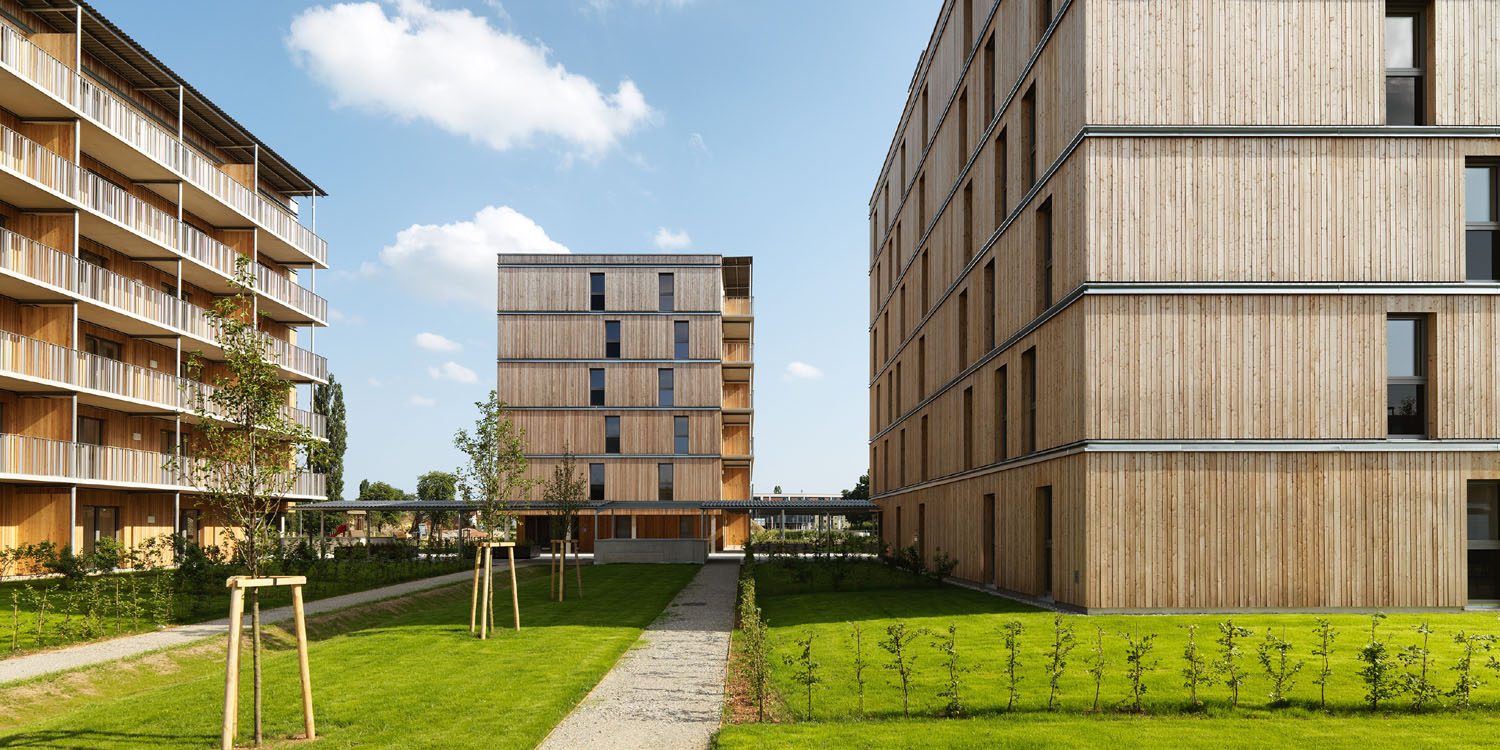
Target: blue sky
742 128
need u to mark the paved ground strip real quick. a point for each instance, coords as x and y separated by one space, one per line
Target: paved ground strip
98 652
668 690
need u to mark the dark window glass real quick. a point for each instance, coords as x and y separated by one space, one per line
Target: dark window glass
1484 540
1401 101
664 394
1479 255
1044 253
1480 218
680 435
666 292
1028 399
596 387
680 339
623 527
1028 117
596 291
1044 519
1405 68
663 481
612 339
611 434
685 527
1479 194
1406 373
596 482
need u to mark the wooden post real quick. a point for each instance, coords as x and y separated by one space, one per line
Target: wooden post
300 619
578 566
474 600
484 607
232 668
515 594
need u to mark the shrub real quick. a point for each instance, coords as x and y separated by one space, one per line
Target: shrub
754 661
1137 649
1195 670
1229 658
942 566
897 643
1416 680
1326 634
1012 639
1379 682
949 648
1274 654
1470 646
1063 642
1096 662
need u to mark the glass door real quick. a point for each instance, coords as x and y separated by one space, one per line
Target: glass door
1484 542
99 522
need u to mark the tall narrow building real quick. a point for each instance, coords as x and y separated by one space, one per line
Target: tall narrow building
640 367
1183 305
127 199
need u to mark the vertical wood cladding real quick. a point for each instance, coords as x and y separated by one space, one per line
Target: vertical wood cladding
644 432
582 336
626 289
634 479
625 384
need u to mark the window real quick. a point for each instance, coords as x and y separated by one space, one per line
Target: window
167 442
962 153
926 131
1481 222
189 521
987 550
988 327
966 12
963 329
1044 13
1002 414
90 431
685 528
903 167
1406 377
1044 256
1044 530
1028 144
611 434
885 339
663 481
923 465
596 292
596 482
101 347
1484 541
664 395
1405 70
666 293
987 79
921 204
922 530
1028 399
900 540
596 386
611 339
886 480
921 367
1002 202
624 527
99 523
926 283
680 339
968 222
890 398
969 428
901 461
680 435
896 391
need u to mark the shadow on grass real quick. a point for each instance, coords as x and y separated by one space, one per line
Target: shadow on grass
87 739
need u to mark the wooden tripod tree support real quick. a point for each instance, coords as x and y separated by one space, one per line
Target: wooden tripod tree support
237 586
482 603
558 567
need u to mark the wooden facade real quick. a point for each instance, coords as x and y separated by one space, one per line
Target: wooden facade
639 365
123 217
1135 307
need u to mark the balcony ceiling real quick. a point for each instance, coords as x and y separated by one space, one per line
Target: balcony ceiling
115 49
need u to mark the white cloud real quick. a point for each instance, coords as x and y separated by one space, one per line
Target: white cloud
453 371
457 261
375 382
667 239
803 371
697 145
455 69
433 342
600 6
422 401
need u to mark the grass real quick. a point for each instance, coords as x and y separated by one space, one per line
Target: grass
404 673
67 621
836 720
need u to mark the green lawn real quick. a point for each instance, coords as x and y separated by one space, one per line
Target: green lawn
397 674
123 603
979 618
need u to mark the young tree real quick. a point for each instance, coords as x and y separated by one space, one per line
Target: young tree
245 449
804 668
948 647
1195 667
1097 664
1274 654
1380 684
1326 635
494 473
1012 639
1229 639
1417 680
897 643
859 666
1470 646
566 494
1063 642
1137 649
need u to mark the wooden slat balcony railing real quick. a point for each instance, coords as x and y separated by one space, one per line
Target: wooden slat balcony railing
736 396
736 351
737 306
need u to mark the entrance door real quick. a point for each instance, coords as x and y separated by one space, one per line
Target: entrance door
99 522
1484 542
989 550
188 521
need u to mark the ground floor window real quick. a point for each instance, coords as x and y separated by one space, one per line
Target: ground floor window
622 527
685 529
100 522
189 521
1484 541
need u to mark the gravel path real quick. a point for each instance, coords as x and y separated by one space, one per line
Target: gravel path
666 692
87 654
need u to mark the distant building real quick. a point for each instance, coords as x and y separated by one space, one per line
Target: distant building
768 517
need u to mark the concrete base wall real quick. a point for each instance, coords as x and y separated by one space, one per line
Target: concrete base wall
650 551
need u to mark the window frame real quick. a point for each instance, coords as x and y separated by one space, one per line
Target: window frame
1492 226
612 339
612 443
596 296
666 292
596 484
681 436
1420 379
681 340
666 387
665 482
1417 11
597 393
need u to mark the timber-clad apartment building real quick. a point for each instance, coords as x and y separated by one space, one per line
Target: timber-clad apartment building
1192 304
126 200
641 368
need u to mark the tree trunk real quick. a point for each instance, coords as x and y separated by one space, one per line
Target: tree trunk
255 656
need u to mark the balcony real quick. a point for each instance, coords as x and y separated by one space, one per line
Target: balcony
122 303
24 458
29 364
736 397
735 351
737 306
